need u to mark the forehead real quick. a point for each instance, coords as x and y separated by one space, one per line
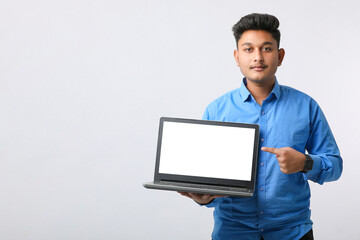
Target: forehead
256 37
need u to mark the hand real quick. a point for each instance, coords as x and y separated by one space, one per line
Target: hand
290 160
200 198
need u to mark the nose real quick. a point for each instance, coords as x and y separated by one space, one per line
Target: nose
258 57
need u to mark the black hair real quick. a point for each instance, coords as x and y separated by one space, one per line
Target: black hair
256 21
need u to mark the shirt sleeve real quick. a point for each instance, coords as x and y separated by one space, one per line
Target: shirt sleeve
323 149
210 112
206 114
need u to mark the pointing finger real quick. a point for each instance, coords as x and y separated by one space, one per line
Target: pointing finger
270 150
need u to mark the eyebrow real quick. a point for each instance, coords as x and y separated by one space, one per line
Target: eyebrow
264 43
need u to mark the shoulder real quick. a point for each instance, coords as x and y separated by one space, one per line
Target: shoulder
222 103
300 102
293 92
226 98
296 95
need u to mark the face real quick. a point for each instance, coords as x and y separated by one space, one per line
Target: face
258 56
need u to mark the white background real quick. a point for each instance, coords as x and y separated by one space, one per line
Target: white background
84 83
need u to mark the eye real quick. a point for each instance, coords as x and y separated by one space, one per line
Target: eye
247 49
267 49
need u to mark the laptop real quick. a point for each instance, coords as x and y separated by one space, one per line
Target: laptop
208 157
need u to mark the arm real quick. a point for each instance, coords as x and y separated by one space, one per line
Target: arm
322 149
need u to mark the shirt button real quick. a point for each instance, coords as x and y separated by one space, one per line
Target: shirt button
262 164
261 212
263 113
262 229
261 189
262 139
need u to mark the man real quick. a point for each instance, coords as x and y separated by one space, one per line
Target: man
290 123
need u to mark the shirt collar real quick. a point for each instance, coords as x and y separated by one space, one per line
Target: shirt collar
276 90
245 94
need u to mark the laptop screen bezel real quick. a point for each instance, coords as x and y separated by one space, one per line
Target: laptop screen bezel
207 180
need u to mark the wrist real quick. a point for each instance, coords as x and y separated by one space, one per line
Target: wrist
308 164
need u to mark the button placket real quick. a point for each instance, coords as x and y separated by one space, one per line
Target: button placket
262 170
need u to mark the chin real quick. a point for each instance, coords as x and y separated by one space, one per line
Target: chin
260 80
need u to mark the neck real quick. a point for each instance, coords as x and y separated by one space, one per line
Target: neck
260 90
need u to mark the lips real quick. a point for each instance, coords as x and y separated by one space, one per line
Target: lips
258 67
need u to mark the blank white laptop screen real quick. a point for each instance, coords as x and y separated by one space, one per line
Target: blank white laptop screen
207 150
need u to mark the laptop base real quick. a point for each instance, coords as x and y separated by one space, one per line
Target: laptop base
235 192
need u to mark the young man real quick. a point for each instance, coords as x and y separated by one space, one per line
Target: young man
290 123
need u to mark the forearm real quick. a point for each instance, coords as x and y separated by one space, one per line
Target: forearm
326 168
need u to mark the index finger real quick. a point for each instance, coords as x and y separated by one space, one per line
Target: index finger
270 150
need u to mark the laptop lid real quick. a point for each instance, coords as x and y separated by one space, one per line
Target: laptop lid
207 152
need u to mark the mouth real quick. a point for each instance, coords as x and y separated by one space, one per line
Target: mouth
258 67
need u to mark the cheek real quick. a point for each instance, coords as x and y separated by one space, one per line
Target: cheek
273 62
243 62
244 68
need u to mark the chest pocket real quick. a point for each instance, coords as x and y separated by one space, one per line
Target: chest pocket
298 141
295 135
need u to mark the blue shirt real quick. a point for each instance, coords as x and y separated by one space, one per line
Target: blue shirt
280 206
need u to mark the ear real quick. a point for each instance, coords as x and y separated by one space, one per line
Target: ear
236 56
281 55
